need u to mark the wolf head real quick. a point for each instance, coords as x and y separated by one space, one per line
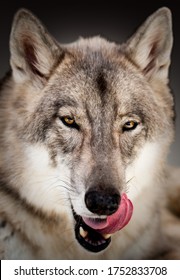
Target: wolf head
84 123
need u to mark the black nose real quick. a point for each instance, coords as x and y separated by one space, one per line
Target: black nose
103 202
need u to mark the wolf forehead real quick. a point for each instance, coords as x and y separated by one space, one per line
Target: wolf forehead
98 70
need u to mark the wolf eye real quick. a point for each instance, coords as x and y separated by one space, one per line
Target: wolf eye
130 125
70 122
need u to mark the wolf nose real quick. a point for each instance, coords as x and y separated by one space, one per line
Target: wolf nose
102 202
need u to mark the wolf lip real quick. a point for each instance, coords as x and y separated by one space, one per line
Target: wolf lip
89 238
95 234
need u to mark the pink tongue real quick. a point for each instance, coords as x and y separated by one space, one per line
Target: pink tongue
114 222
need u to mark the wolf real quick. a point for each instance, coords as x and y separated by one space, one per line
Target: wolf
85 129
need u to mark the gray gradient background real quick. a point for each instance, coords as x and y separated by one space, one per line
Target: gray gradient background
115 20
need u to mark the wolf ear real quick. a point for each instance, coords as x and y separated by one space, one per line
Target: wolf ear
150 47
33 51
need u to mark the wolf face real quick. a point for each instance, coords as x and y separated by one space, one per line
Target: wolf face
85 123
